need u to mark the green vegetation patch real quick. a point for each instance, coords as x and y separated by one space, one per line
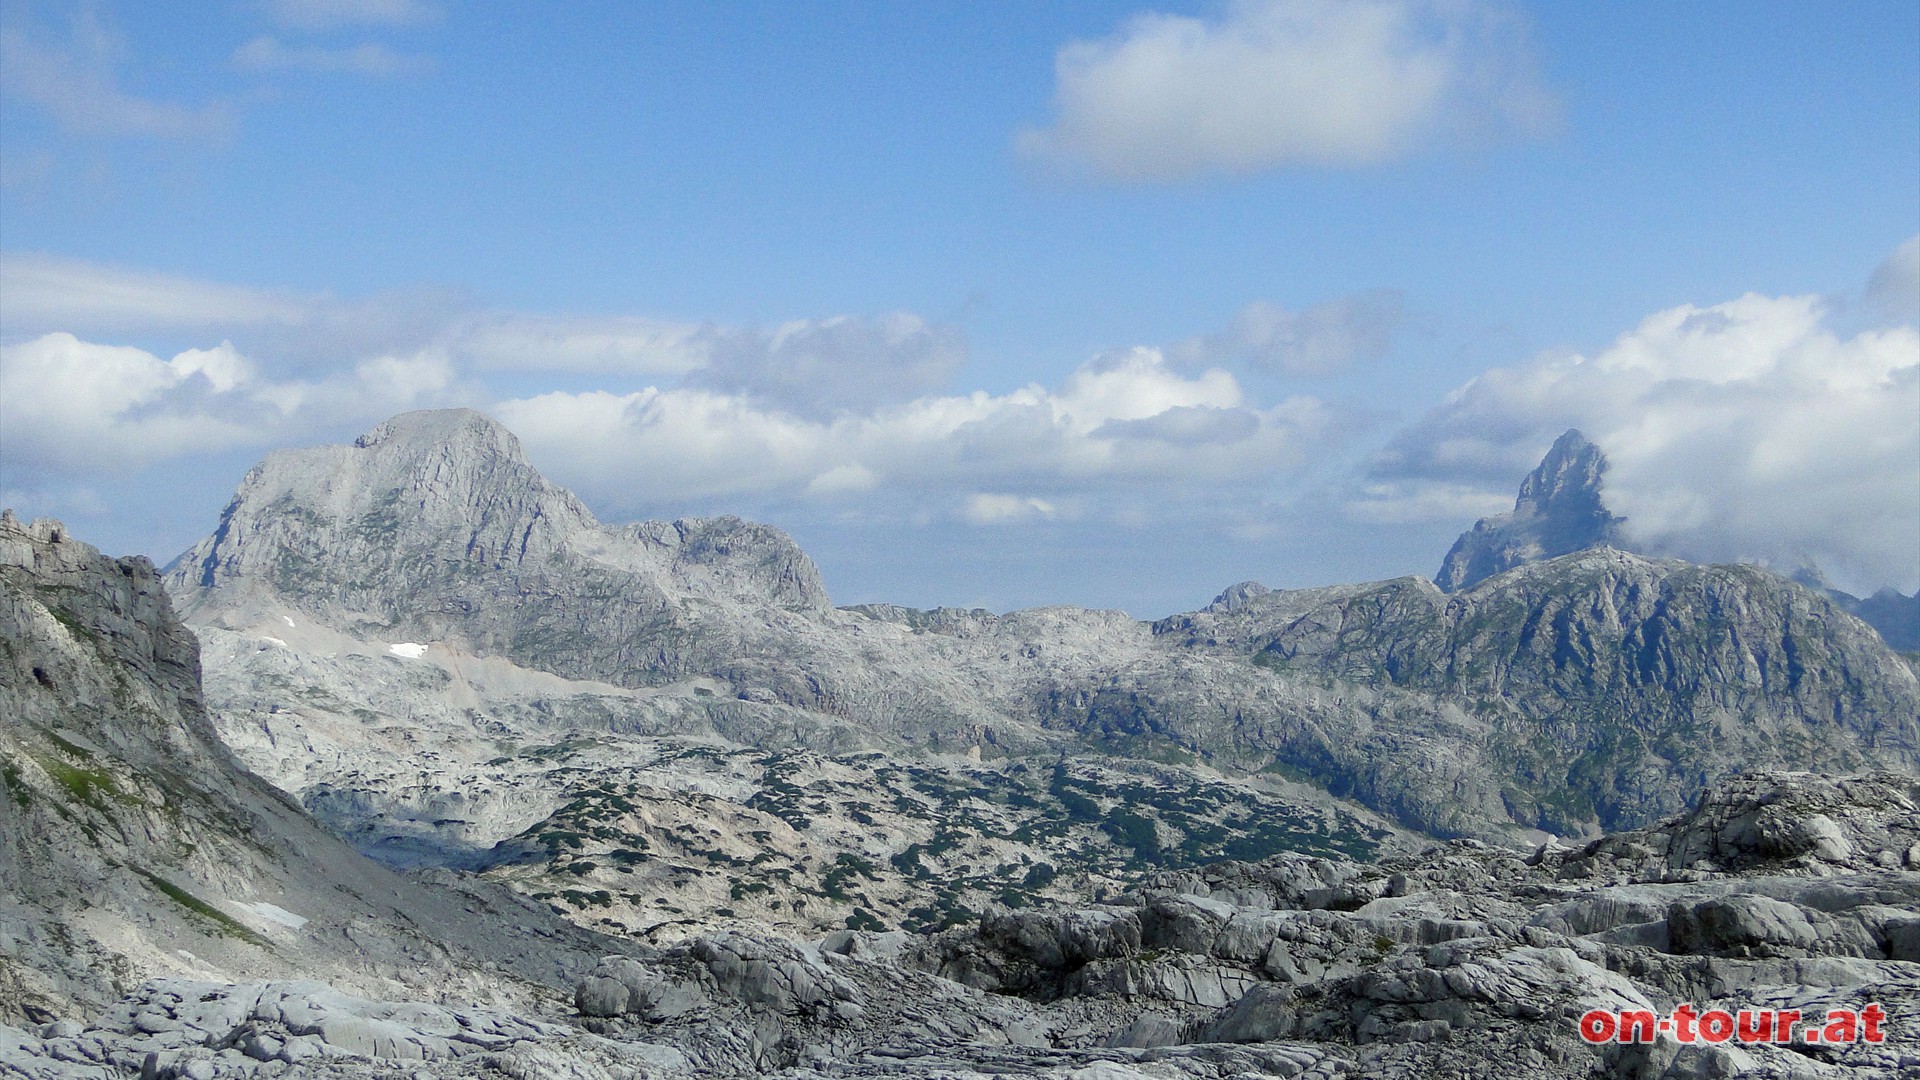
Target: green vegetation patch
16 784
227 924
89 787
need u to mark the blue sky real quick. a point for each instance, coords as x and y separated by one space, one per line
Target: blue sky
995 304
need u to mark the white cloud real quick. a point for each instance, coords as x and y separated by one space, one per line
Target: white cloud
367 58
1288 82
1406 502
69 406
1320 340
1745 430
809 366
330 14
77 82
41 291
1126 425
846 479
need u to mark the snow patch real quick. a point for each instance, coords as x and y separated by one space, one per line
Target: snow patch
288 619
276 913
408 649
271 640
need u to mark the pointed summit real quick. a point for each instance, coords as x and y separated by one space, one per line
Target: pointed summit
1558 511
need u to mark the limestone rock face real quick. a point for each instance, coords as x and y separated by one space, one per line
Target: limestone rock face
1895 615
1583 689
423 527
133 845
1558 512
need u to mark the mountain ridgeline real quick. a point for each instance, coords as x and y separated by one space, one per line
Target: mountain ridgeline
1556 683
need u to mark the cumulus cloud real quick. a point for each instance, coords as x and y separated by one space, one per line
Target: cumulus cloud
1322 339
1128 425
367 58
1288 82
69 406
75 79
1744 430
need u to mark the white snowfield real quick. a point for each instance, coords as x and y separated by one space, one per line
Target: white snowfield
409 649
277 914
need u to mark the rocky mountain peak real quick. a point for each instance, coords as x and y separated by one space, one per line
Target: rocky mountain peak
462 431
451 482
1559 511
434 527
1567 480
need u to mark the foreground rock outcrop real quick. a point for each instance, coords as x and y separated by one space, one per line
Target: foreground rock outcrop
1787 892
1779 891
132 845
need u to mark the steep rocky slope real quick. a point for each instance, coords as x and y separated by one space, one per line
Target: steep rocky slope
1894 615
438 652
1593 687
132 844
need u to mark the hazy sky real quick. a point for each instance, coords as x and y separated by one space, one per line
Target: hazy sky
989 304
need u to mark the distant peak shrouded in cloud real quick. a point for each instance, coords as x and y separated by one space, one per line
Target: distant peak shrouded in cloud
1746 430
1276 83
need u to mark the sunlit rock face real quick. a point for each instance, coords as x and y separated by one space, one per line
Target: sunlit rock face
1559 511
133 845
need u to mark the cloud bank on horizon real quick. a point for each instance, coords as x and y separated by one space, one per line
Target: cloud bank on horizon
1755 428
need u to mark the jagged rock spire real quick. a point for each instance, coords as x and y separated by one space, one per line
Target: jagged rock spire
1558 511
